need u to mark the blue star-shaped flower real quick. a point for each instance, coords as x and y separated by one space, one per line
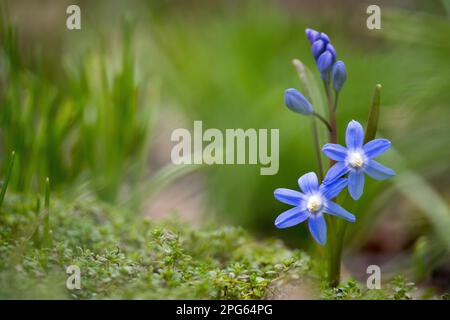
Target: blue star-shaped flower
356 159
311 204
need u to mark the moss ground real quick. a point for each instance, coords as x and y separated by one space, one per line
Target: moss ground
124 256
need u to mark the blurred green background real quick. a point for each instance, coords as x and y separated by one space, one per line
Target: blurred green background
91 108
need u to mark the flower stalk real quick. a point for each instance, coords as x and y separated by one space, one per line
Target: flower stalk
316 142
335 244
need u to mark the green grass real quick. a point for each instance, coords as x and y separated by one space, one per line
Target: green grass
88 124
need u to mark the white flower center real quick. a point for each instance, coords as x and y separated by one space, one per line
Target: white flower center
356 159
314 204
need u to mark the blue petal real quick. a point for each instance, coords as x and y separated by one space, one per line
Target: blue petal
291 217
335 151
354 136
308 182
376 147
336 210
355 184
336 171
289 196
318 228
377 171
330 191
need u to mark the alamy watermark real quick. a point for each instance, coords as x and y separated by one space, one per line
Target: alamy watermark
374 20
74 280
73 21
374 280
233 146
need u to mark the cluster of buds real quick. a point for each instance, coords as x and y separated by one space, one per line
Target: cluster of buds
325 56
329 67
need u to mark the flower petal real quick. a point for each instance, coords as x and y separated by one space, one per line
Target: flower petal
291 217
376 147
354 136
355 184
335 151
308 182
336 210
336 171
318 228
377 171
289 196
331 190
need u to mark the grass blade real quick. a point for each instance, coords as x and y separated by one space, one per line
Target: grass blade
374 114
7 177
47 230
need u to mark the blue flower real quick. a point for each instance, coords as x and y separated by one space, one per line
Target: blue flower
296 102
311 204
356 160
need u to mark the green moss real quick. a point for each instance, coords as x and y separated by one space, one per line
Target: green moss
123 257
396 289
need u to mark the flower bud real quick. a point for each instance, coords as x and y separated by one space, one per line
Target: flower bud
317 48
325 62
296 102
324 37
331 50
339 75
312 35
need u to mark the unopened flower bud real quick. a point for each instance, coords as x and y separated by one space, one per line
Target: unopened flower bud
317 48
324 37
339 75
324 63
312 35
331 50
296 102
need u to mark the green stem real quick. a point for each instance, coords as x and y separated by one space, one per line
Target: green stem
336 238
324 121
317 148
336 254
331 115
336 98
